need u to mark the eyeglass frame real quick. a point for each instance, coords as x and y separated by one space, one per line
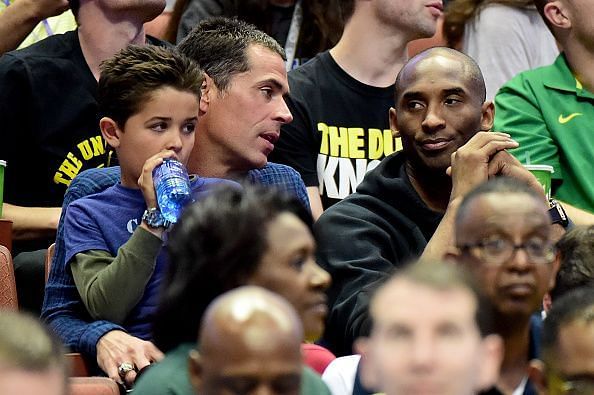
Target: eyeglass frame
480 245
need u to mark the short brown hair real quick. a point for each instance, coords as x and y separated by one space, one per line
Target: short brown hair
27 345
129 78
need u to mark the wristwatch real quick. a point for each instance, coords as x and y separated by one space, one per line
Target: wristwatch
557 213
154 218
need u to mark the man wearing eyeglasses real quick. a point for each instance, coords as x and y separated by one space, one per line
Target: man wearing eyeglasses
504 238
567 365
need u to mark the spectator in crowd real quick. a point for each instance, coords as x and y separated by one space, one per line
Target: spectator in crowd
549 110
406 206
504 37
248 343
341 98
234 237
504 238
23 23
50 124
303 27
567 363
575 252
433 332
224 137
31 360
149 97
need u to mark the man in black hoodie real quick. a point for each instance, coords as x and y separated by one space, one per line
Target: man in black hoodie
405 207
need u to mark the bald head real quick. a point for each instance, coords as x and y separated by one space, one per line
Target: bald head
250 337
248 314
445 60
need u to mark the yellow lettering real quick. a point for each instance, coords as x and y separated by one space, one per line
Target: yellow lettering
59 179
398 144
322 127
98 146
388 142
356 143
71 167
375 146
339 141
85 149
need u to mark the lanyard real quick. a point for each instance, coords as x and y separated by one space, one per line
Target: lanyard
293 35
46 24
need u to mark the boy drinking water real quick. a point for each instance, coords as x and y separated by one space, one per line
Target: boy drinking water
149 98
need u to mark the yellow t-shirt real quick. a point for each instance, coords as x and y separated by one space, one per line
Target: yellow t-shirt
57 24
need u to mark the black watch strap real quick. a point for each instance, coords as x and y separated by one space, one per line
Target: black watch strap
557 213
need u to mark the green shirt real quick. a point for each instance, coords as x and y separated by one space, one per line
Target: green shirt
170 377
551 116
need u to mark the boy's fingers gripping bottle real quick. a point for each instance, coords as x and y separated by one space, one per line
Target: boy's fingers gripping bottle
172 186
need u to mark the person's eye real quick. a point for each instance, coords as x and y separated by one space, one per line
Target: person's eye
298 262
495 245
537 246
159 126
449 330
414 105
189 128
452 100
267 92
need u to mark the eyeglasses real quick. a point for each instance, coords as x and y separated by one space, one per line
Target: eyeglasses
571 387
498 250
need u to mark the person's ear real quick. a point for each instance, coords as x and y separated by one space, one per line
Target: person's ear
206 92
554 269
558 14
393 122
492 347
367 370
488 116
196 370
536 373
110 131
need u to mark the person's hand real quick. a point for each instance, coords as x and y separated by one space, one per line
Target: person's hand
145 181
505 164
471 162
42 9
117 347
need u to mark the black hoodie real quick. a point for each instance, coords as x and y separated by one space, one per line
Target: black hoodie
362 239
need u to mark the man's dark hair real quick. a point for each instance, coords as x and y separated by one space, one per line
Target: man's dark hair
576 305
74 7
216 246
494 185
447 276
219 46
347 8
469 67
26 344
130 77
576 252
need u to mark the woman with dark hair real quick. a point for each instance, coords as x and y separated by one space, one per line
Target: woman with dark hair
234 237
505 37
303 27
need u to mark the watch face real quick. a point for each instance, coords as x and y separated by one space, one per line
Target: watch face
154 219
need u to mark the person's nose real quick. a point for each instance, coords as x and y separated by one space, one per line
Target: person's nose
433 119
519 261
174 143
319 278
422 353
282 113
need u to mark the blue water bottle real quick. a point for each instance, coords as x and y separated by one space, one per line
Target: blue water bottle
172 186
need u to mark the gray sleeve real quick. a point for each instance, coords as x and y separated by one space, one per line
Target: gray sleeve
110 287
198 10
